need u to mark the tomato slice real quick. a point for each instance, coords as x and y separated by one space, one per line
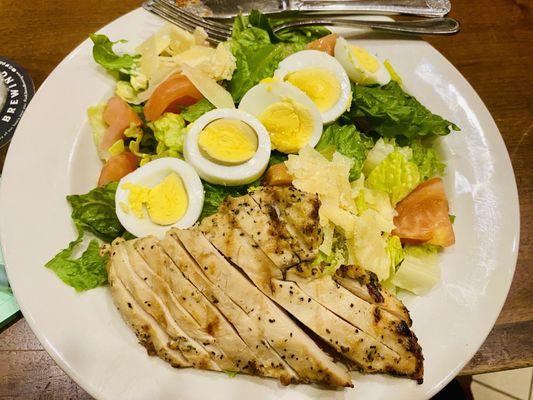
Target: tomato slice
325 43
423 216
118 116
118 167
171 95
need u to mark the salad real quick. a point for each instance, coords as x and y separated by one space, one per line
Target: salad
190 124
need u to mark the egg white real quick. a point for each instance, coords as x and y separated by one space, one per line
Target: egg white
150 175
318 59
262 95
229 175
355 71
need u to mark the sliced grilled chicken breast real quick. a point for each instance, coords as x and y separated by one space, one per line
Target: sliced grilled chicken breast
228 349
270 234
248 328
366 349
298 210
150 302
148 332
293 345
387 329
365 285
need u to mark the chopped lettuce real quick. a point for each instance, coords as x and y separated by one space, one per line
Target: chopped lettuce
348 141
391 112
104 55
376 155
216 194
395 251
126 92
169 131
419 271
92 212
195 111
427 160
98 126
395 175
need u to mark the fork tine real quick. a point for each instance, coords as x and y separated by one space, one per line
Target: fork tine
218 26
169 14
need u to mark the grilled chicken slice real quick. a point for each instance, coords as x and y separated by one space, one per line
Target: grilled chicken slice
290 342
365 349
365 284
387 329
148 332
228 349
249 329
298 210
269 233
151 303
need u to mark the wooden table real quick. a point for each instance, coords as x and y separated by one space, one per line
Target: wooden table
493 51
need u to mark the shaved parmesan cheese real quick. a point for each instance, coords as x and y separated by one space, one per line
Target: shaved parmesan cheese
210 89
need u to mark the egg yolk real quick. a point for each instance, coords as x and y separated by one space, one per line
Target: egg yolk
228 141
319 84
166 202
366 60
289 125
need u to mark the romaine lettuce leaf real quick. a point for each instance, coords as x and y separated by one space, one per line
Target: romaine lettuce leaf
104 55
391 112
257 53
169 131
427 160
216 194
419 271
95 212
83 273
98 126
395 251
348 141
195 111
92 212
395 175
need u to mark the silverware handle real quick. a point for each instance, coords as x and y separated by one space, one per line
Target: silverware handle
433 26
427 8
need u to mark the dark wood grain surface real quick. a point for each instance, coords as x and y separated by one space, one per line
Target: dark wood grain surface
493 51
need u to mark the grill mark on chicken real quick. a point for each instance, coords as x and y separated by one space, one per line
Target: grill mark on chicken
365 285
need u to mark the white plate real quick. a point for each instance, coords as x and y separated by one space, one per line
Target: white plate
52 155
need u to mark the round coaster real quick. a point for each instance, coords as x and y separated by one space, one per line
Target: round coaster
16 93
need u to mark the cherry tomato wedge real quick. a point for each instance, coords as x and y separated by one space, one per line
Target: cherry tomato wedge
325 43
171 95
423 216
118 115
118 167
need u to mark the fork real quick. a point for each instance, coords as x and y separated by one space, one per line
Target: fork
218 32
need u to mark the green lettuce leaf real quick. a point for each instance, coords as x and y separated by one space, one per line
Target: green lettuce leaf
348 141
277 157
95 212
395 251
169 131
98 126
427 160
395 175
92 212
83 273
419 271
104 55
216 194
257 52
391 112
195 111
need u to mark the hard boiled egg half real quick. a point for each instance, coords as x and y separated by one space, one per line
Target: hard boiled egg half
362 67
321 77
227 147
164 193
290 117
